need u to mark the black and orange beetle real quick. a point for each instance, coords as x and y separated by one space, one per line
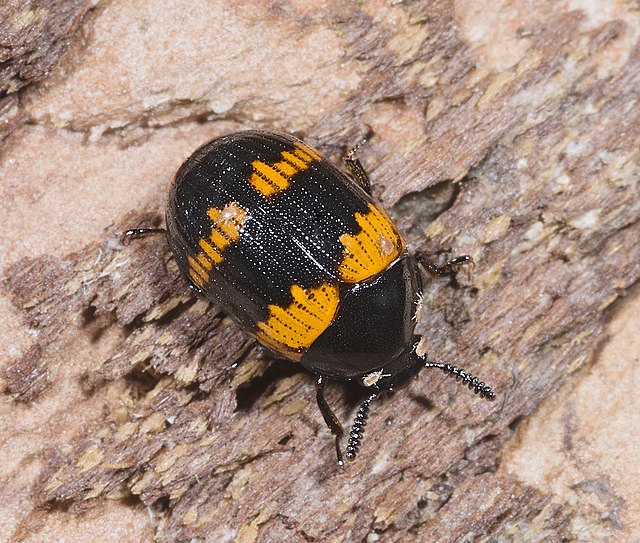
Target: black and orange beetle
298 253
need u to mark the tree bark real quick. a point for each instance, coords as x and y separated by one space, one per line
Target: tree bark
34 34
510 135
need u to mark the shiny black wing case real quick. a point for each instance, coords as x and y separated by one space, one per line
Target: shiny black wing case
289 237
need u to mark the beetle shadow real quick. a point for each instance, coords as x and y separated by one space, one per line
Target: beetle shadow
248 395
422 400
95 325
416 210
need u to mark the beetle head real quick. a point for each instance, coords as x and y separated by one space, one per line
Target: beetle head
398 372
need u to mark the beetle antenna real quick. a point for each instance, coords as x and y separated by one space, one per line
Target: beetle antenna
475 384
360 421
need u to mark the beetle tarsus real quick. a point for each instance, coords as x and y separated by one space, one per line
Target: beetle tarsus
450 267
479 387
360 421
339 452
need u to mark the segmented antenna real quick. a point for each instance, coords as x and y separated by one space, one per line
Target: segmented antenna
357 429
475 384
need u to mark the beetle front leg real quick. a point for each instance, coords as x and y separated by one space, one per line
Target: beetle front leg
329 416
450 267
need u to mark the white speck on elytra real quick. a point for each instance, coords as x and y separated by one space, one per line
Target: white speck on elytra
386 246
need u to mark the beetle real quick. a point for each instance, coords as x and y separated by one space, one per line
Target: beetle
297 252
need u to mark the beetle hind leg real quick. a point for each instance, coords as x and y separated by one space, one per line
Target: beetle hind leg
329 416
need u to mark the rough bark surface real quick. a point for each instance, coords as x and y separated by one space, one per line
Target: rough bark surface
34 34
511 135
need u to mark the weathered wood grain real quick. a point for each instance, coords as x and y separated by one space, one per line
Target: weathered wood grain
34 34
524 157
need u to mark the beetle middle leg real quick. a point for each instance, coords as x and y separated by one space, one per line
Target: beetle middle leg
141 232
329 416
135 233
355 166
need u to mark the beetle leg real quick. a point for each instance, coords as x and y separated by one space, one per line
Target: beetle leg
354 164
139 232
360 421
143 232
329 416
249 346
449 267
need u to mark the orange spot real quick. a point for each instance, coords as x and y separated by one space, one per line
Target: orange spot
210 251
204 262
269 179
196 279
197 273
229 220
372 249
304 149
226 230
292 330
293 160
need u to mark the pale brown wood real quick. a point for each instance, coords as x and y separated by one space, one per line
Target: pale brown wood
34 34
520 149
